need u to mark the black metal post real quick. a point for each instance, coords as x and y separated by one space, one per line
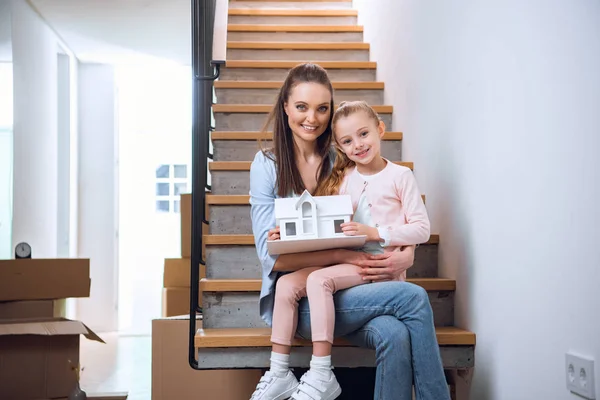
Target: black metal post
203 14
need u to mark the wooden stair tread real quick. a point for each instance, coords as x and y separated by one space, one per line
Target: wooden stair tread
278 84
221 240
298 45
245 165
297 1
265 108
261 337
283 12
253 285
236 199
255 135
293 28
292 64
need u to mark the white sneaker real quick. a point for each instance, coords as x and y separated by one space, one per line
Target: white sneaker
313 387
273 387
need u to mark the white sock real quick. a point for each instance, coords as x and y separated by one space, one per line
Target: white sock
322 365
280 363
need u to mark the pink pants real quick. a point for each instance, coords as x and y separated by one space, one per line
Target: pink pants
318 284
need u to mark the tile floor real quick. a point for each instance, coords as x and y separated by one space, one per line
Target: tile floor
123 364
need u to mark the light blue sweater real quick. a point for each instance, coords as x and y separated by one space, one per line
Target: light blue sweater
263 192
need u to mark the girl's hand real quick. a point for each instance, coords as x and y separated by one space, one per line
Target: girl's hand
355 229
274 234
387 266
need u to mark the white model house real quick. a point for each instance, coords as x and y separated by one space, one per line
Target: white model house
308 217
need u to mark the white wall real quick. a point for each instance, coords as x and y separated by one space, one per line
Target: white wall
5 28
97 196
35 132
220 31
64 152
498 102
83 24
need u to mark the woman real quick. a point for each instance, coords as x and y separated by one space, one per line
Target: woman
301 158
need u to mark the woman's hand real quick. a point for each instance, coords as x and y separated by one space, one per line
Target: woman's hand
274 234
387 266
355 229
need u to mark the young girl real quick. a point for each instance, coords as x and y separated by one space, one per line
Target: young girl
388 210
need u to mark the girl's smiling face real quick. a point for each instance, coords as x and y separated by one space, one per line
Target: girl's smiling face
359 136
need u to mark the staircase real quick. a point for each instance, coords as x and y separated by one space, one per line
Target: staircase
265 39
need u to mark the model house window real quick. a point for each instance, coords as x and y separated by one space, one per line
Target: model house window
307 226
306 209
171 182
337 225
290 228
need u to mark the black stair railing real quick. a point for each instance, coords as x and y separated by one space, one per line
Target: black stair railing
204 72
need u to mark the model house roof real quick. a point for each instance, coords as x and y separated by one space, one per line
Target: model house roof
327 206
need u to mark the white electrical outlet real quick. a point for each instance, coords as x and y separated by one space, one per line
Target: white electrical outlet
580 375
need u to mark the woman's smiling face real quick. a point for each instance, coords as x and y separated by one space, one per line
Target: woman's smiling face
308 109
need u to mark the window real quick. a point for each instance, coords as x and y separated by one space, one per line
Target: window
171 182
290 228
307 226
337 225
306 209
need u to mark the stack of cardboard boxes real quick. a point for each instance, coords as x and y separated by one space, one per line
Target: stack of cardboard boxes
39 347
172 376
176 277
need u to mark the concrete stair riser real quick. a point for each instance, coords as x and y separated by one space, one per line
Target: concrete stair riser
268 96
293 5
279 74
298 55
245 150
295 36
240 309
241 262
225 121
291 20
453 357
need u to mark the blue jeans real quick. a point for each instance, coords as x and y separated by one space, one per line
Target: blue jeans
395 319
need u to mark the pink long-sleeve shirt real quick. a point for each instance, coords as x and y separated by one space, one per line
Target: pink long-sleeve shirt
394 201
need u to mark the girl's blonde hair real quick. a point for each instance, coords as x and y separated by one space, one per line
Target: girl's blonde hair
331 185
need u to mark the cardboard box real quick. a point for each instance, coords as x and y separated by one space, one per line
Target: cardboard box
33 309
186 225
177 272
176 301
173 378
44 279
37 357
185 209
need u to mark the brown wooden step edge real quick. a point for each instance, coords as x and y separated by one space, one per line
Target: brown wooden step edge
261 337
266 108
245 165
221 240
295 1
255 135
341 85
293 28
253 285
298 45
292 64
238 199
276 12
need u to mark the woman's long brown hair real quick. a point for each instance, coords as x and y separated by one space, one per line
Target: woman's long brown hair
283 153
331 185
